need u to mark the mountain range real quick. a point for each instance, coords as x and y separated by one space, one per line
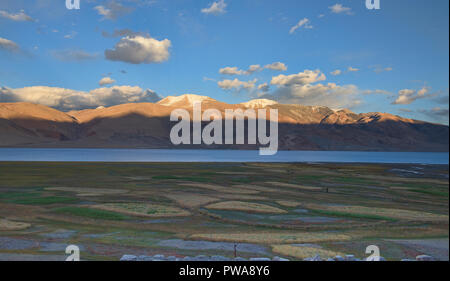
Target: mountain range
148 125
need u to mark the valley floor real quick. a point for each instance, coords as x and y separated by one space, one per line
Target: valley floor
292 211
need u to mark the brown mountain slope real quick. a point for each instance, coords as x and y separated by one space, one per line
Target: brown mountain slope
125 125
148 125
26 123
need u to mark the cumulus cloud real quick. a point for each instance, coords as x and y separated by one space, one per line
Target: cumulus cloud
303 88
405 96
151 96
8 45
106 81
279 66
216 8
264 87
234 70
408 96
331 95
139 49
352 69
236 84
112 10
73 55
301 78
231 71
254 68
336 72
105 12
300 88
303 23
118 95
68 99
340 9
20 16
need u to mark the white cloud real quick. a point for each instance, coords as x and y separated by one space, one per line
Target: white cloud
68 99
264 87
301 78
112 10
231 71
118 95
139 49
216 8
105 12
8 45
254 68
21 16
336 72
303 23
300 89
340 9
234 70
408 96
276 66
151 96
331 95
236 84
422 92
405 96
352 69
106 81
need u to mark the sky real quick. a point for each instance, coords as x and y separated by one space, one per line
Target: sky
327 53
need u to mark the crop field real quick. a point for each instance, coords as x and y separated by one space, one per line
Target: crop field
265 209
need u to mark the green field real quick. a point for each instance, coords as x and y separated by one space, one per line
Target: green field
289 210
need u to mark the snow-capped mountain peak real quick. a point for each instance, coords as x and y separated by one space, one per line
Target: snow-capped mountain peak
259 103
185 100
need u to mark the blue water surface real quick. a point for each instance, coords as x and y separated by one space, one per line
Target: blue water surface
209 155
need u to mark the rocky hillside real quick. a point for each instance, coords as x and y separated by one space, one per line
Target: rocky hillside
147 125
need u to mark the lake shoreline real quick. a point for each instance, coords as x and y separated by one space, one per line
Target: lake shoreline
217 156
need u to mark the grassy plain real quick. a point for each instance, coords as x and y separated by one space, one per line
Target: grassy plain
289 210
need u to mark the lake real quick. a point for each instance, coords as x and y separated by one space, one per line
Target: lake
205 155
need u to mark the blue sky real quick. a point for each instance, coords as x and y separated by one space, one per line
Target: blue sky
394 60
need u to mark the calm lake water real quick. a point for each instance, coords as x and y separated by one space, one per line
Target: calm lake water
203 155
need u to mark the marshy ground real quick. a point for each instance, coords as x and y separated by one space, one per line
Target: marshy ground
186 209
